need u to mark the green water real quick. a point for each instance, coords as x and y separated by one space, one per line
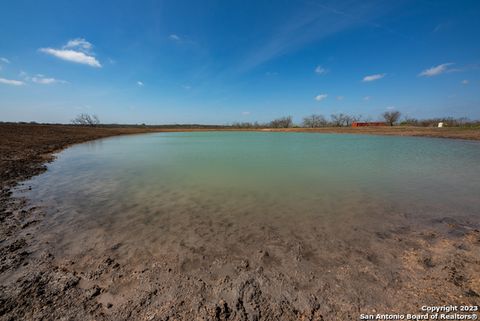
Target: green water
146 187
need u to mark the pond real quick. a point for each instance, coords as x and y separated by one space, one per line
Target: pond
153 192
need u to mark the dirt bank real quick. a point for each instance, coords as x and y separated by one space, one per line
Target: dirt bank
227 270
445 132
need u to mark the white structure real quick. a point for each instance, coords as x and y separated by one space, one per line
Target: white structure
440 125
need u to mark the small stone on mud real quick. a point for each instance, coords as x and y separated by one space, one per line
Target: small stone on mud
93 292
263 254
428 262
244 264
471 293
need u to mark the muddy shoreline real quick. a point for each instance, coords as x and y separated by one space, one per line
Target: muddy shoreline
451 133
262 273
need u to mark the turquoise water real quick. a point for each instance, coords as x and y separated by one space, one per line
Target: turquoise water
146 187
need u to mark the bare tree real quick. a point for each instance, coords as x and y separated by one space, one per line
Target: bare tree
314 121
348 120
284 122
410 121
336 120
86 120
356 118
391 117
246 125
341 119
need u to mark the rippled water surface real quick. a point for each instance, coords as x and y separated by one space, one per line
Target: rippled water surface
154 189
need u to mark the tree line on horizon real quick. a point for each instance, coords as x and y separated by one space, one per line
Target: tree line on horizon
312 121
318 120
390 118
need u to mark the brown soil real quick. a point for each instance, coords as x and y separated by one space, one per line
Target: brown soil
263 272
445 132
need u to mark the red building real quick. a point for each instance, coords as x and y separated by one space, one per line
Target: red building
368 124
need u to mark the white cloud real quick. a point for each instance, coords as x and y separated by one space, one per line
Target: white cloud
181 40
44 81
76 50
139 83
320 70
79 44
390 108
373 77
321 97
366 98
11 82
245 113
187 87
340 97
24 76
465 82
436 70
73 56
4 60
41 79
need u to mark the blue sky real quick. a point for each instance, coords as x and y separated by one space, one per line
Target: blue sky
225 61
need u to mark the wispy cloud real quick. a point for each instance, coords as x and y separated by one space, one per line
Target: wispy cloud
3 60
437 70
465 82
367 98
181 40
42 80
79 44
246 113
320 70
76 50
438 28
11 82
271 73
321 97
373 77
442 26
309 23
340 98
140 83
